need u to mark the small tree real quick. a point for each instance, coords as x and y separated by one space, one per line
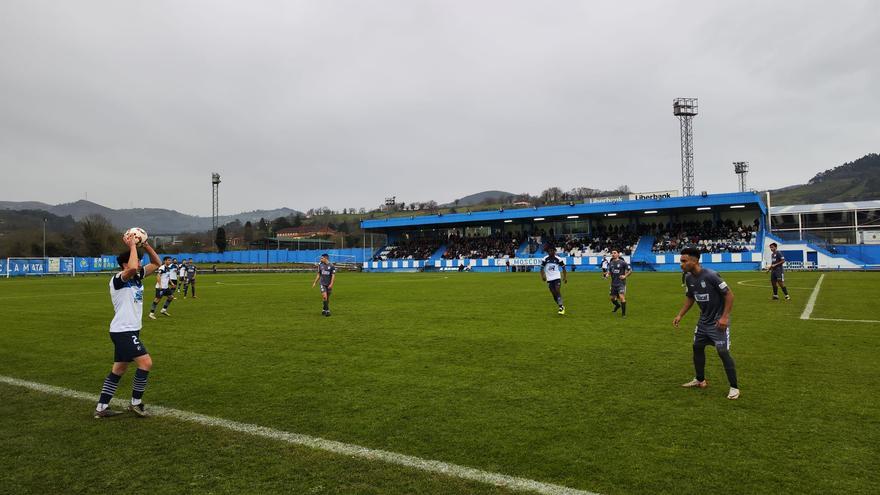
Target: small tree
280 223
99 235
220 241
248 232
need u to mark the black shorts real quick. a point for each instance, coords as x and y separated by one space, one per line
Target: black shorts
164 293
325 289
712 336
617 290
127 346
777 277
190 281
554 284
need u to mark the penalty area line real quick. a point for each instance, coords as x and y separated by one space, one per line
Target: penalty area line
346 449
811 303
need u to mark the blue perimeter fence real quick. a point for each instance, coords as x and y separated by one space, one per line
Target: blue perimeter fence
62 266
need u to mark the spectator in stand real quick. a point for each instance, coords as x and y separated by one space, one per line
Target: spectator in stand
492 246
707 236
409 249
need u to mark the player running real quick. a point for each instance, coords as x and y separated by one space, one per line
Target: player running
181 275
164 288
127 295
777 272
618 270
327 275
715 299
553 272
173 272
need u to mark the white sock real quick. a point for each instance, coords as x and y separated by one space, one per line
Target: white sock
135 402
100 407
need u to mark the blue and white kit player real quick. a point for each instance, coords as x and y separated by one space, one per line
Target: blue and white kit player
164 288
553 272
172 273
127 295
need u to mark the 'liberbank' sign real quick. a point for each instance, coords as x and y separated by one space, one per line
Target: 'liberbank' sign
656 195
632 196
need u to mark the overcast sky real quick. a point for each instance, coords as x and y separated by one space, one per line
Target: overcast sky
341 103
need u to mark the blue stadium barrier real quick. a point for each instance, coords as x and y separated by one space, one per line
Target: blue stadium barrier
107 263
272 256
20 267
867 253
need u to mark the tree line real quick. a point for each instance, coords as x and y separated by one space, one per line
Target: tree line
21 231
21 234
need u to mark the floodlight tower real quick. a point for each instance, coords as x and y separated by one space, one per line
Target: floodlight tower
741 169
215 210
686 109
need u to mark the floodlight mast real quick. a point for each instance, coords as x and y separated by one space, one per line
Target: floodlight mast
741 169
686 109
215 204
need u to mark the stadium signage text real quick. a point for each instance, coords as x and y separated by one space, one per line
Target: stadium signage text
632 196
611 199
656 195
520 261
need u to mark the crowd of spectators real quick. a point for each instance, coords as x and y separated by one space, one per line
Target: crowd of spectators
409 249
708 236
604 239
599 242
723 236
492 246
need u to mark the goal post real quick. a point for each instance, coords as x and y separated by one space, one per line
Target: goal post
341 259
35 266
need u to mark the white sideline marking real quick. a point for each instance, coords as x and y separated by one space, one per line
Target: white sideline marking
843 319
347 449
766 285
240 284
808 310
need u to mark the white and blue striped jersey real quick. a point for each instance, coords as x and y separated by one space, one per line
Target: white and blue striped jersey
127 297
163 275
552 266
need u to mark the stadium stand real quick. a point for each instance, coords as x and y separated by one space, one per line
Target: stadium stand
408 249
710 237
602 241
493 246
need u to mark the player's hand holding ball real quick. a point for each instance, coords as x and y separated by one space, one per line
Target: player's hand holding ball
135 234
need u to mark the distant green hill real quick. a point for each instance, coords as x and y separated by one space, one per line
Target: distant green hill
481 197
155 220
854 181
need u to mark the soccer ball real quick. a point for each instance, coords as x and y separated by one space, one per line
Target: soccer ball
136 233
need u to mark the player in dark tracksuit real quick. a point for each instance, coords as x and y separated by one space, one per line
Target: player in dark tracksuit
190 278
777 272
327 275
715 300
618 270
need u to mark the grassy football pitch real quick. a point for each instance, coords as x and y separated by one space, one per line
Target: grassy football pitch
472 369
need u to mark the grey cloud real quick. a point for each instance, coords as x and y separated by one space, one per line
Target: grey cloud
304 104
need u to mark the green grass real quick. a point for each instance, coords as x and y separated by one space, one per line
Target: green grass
467 368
